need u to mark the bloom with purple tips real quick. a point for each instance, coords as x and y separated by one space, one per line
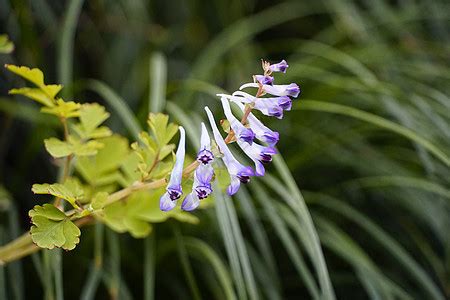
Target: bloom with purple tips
291 90
268 106
238 172
241 132
203 174
263 133
259 155
174 191
279 67
264 79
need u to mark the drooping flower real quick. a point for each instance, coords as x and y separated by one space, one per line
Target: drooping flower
270 100
279 67
174 191
241 132
291 90
264 79
259 154
202 175
238 172
268 106
263 133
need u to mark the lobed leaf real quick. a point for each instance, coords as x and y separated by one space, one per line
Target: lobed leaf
51 228
71 191
63 109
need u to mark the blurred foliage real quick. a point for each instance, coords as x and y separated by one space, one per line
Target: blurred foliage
367 144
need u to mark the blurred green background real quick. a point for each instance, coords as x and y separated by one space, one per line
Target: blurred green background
364 164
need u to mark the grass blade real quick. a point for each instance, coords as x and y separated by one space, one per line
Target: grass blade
375 120
65 47
149 266
157 82
187 268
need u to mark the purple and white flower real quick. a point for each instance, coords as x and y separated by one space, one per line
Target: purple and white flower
279 67
291 90
270 100
174 191
259 154
203 174
238 172
242 133
268 106
264 79
263 133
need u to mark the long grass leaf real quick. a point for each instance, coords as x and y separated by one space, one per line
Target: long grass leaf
229 241
203 252
376 120
157 82
393 247
186 265
65 47
149 266
297 203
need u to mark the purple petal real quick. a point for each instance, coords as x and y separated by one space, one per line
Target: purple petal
190 203
234 186
279 67
264 79
165 203
240 130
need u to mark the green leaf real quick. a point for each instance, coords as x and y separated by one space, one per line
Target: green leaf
51 228
33 75
58 148
6 46
161 129
99 200
71 191
103 167
63 109
34 94
139 209
91 116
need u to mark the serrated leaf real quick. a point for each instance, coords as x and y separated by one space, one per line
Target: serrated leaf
58 148
6 46
92 115
70 191
161 129
51 228
35 94
63 109
33 75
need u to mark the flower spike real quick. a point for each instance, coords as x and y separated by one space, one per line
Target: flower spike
238 172
174 191
271 100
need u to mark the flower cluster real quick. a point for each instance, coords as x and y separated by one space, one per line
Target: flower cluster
243 132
